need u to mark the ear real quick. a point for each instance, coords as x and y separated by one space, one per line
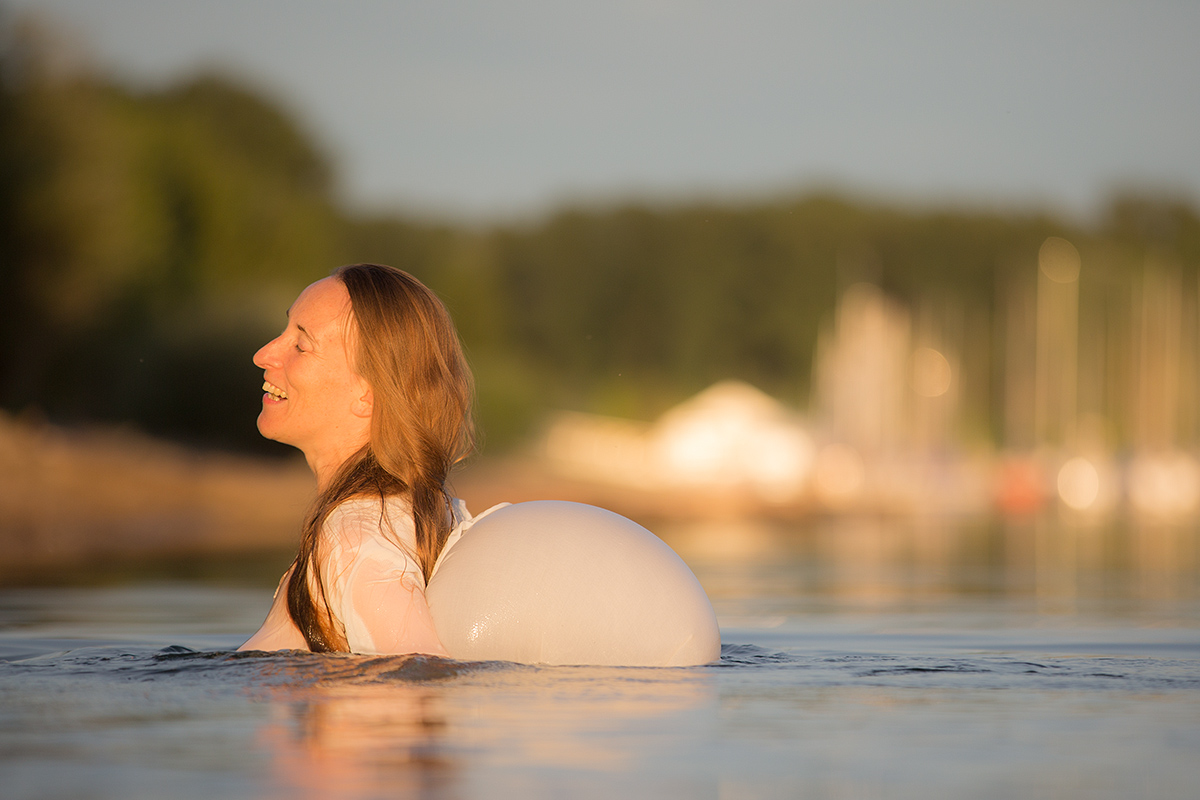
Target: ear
364 405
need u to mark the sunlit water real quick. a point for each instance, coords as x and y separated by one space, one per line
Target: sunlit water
860 659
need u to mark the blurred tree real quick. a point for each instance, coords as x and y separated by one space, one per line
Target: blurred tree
150 242
1163 224
147 240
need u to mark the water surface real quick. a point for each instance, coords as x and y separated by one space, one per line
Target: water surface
864 659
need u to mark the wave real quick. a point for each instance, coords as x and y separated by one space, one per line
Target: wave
296 670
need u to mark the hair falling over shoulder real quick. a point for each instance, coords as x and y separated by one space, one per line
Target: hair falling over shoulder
406 347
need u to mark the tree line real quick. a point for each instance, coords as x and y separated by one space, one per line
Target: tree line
151 240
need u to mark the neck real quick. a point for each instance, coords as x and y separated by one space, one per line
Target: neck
325 465
323 472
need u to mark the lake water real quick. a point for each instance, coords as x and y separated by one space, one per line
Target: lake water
900 659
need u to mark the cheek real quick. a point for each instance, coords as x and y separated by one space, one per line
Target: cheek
348 398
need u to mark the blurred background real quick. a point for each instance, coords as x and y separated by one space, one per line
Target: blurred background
778 261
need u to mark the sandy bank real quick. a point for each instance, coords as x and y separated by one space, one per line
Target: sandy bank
68 497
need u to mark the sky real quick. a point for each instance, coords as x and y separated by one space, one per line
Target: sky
506 108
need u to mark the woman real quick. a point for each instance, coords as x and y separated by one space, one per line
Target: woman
369 381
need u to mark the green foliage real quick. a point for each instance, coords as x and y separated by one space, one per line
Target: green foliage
661 303
145 233
150 242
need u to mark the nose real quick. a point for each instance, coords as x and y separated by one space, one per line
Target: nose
266 355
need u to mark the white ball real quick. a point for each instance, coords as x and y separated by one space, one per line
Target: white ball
552 582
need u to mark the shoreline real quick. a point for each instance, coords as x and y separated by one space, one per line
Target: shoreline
70 498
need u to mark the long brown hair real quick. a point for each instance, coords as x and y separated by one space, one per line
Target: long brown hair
406 348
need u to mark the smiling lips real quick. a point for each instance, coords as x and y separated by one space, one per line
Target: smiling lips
273 391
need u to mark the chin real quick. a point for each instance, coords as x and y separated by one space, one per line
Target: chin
264 428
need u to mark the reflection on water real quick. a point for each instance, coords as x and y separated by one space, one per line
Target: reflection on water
338 735
860 658
357 727
883 563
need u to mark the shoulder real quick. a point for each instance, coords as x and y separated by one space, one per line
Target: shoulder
366 519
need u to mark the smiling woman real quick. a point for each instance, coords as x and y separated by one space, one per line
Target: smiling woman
368 380
314 400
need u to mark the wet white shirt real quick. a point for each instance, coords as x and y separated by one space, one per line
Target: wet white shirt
373 581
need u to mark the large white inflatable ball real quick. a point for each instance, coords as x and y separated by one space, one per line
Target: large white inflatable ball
552 582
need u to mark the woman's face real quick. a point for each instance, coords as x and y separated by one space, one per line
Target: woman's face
313 399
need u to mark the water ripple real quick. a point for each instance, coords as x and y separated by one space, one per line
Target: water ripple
225 669
750 655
